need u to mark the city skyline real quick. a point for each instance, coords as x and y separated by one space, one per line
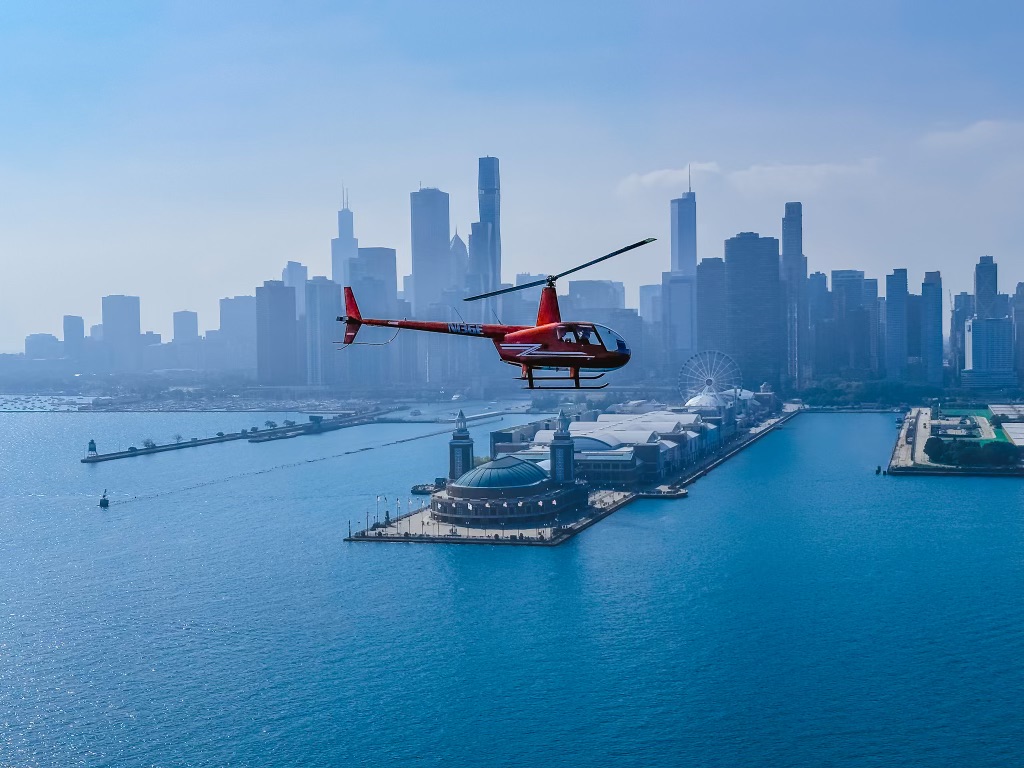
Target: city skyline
219 141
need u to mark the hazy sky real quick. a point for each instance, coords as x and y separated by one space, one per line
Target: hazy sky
183 151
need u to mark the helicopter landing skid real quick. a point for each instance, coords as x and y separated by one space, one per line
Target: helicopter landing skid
574 377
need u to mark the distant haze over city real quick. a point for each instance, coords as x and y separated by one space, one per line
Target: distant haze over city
183 153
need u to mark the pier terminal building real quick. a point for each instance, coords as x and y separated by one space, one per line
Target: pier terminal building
511 489
614 450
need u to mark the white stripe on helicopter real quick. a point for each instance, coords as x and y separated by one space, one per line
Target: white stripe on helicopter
530 350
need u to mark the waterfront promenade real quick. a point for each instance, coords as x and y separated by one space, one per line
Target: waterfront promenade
419 526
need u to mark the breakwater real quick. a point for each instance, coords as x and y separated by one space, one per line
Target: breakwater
316 425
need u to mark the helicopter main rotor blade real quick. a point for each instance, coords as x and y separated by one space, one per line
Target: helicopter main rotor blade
522 287
552 278
602 258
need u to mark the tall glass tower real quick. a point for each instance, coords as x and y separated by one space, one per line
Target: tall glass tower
684 234
485 235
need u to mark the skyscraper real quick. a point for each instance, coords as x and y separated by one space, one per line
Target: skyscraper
236 347
122 332
294 276
596 294
485 239
431 241
74 336
754 306
931 328
989 353
679 318
323 306
794 276
459 255
986 288
345 245
712 317
1017 313
276 335
650 303
896 325
679 286
373 276
963 310
186 327
684 234
871 306
852 316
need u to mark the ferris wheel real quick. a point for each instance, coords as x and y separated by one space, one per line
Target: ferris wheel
709 373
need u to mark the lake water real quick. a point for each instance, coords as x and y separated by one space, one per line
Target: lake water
795 610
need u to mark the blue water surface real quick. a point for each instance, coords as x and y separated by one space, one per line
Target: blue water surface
795 610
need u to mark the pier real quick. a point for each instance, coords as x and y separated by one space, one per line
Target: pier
419 526
909 457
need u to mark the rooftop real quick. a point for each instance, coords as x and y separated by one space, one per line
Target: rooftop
506 472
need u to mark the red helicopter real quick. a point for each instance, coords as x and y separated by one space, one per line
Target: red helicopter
580 351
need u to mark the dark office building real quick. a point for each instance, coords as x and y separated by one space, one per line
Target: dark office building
755 318
712 329
794 278
122 333
986 288
931 328
277 358
896 325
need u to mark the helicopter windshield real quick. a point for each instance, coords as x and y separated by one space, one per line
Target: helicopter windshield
612 341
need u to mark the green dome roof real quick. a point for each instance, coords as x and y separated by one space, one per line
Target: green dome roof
506 472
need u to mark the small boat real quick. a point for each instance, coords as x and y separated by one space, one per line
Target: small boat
425 489
878 469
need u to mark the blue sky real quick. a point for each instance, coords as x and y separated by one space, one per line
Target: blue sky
183 151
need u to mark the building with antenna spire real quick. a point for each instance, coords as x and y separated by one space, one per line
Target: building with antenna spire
679 286
344 247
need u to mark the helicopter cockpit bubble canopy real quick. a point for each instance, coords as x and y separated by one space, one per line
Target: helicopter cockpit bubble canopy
587 334
612 341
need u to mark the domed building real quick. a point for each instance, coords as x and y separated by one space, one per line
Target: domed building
512 490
